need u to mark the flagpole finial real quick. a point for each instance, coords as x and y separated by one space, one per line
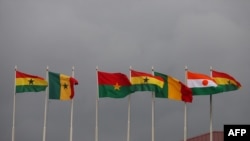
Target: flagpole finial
130 67
96 68
152 68
73 68
186 68
47 68
211 68
15 67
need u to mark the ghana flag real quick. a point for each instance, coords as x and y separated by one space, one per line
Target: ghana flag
174 89
145 82
29 83
225 81
114 85
61 86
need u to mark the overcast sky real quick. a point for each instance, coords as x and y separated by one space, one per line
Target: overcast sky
113 35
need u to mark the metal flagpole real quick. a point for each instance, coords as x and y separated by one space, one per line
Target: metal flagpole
185 110
211 108
96 114
153 112
45 107
72 110
14 107
128 130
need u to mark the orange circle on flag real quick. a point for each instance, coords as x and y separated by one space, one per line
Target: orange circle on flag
204 82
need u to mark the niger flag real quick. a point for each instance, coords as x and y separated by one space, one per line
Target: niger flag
145 82
61 86
202 84
29 83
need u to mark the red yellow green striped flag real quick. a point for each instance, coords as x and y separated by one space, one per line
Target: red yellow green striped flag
145 82
225 81
29 83
61 86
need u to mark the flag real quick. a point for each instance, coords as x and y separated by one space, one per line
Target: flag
201 84
225 81
145 82
61 86
173 89
114 85
29 83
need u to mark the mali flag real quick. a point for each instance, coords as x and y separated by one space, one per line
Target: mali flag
145 82
61 86
225 81
173 89
114 85
29 83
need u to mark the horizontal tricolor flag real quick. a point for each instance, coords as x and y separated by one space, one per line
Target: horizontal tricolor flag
114 85
61 86
29 83
173 89
145 82
201 84
225 81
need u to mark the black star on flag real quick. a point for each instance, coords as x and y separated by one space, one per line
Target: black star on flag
146 80
31 82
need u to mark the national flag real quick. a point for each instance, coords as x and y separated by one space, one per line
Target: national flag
61 86
145 82
201 84
173 89
114 85
29 83
225 81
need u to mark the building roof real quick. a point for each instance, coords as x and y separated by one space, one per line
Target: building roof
217 136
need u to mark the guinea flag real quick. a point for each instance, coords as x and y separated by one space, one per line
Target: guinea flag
29 83
61 86
114 85
225 81
145 82
202 84
173 89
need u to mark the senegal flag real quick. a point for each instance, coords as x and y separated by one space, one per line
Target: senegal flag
61 86
173 89
29 83
114 85
145 82
225 81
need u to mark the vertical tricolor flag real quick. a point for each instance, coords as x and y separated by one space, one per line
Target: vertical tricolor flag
29 83
225 81
114 85
145 82
201 84
61 86
173 89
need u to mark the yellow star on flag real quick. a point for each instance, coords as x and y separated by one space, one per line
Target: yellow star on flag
117 86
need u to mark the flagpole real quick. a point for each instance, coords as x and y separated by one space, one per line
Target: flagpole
153 111
128 130
211 108
45 108
14 107
72 110
96 114
185 110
